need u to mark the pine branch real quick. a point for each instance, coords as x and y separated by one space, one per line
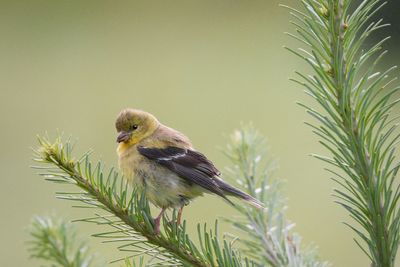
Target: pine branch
355 124
267 235
129 213
54 241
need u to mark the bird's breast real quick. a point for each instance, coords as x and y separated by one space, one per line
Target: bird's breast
129 161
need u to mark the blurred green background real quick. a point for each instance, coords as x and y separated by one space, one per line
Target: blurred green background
201 67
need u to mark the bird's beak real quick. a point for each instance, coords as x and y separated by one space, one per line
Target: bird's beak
123 136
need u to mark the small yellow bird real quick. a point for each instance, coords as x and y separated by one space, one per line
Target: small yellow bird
162 162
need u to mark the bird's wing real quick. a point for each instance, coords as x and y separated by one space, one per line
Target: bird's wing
188 164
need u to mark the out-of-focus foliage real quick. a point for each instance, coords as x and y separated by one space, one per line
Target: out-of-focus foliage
267 236
55 241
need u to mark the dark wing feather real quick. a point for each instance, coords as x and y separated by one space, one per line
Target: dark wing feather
190 165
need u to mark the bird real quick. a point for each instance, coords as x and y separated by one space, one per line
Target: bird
163 163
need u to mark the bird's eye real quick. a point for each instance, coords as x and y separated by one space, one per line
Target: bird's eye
134 127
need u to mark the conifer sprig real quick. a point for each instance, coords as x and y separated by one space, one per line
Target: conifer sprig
355 123
268 237
54 241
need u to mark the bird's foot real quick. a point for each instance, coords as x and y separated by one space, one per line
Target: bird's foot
178 218
157 222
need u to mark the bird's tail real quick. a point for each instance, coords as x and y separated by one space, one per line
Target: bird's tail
232 191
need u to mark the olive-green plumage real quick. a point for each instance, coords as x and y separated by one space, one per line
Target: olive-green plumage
162 162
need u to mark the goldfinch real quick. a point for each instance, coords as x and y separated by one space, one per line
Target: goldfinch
162 162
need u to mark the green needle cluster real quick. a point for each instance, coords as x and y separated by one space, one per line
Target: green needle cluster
268 237
55 241
354 120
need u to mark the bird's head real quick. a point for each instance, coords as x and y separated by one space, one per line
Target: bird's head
133 125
